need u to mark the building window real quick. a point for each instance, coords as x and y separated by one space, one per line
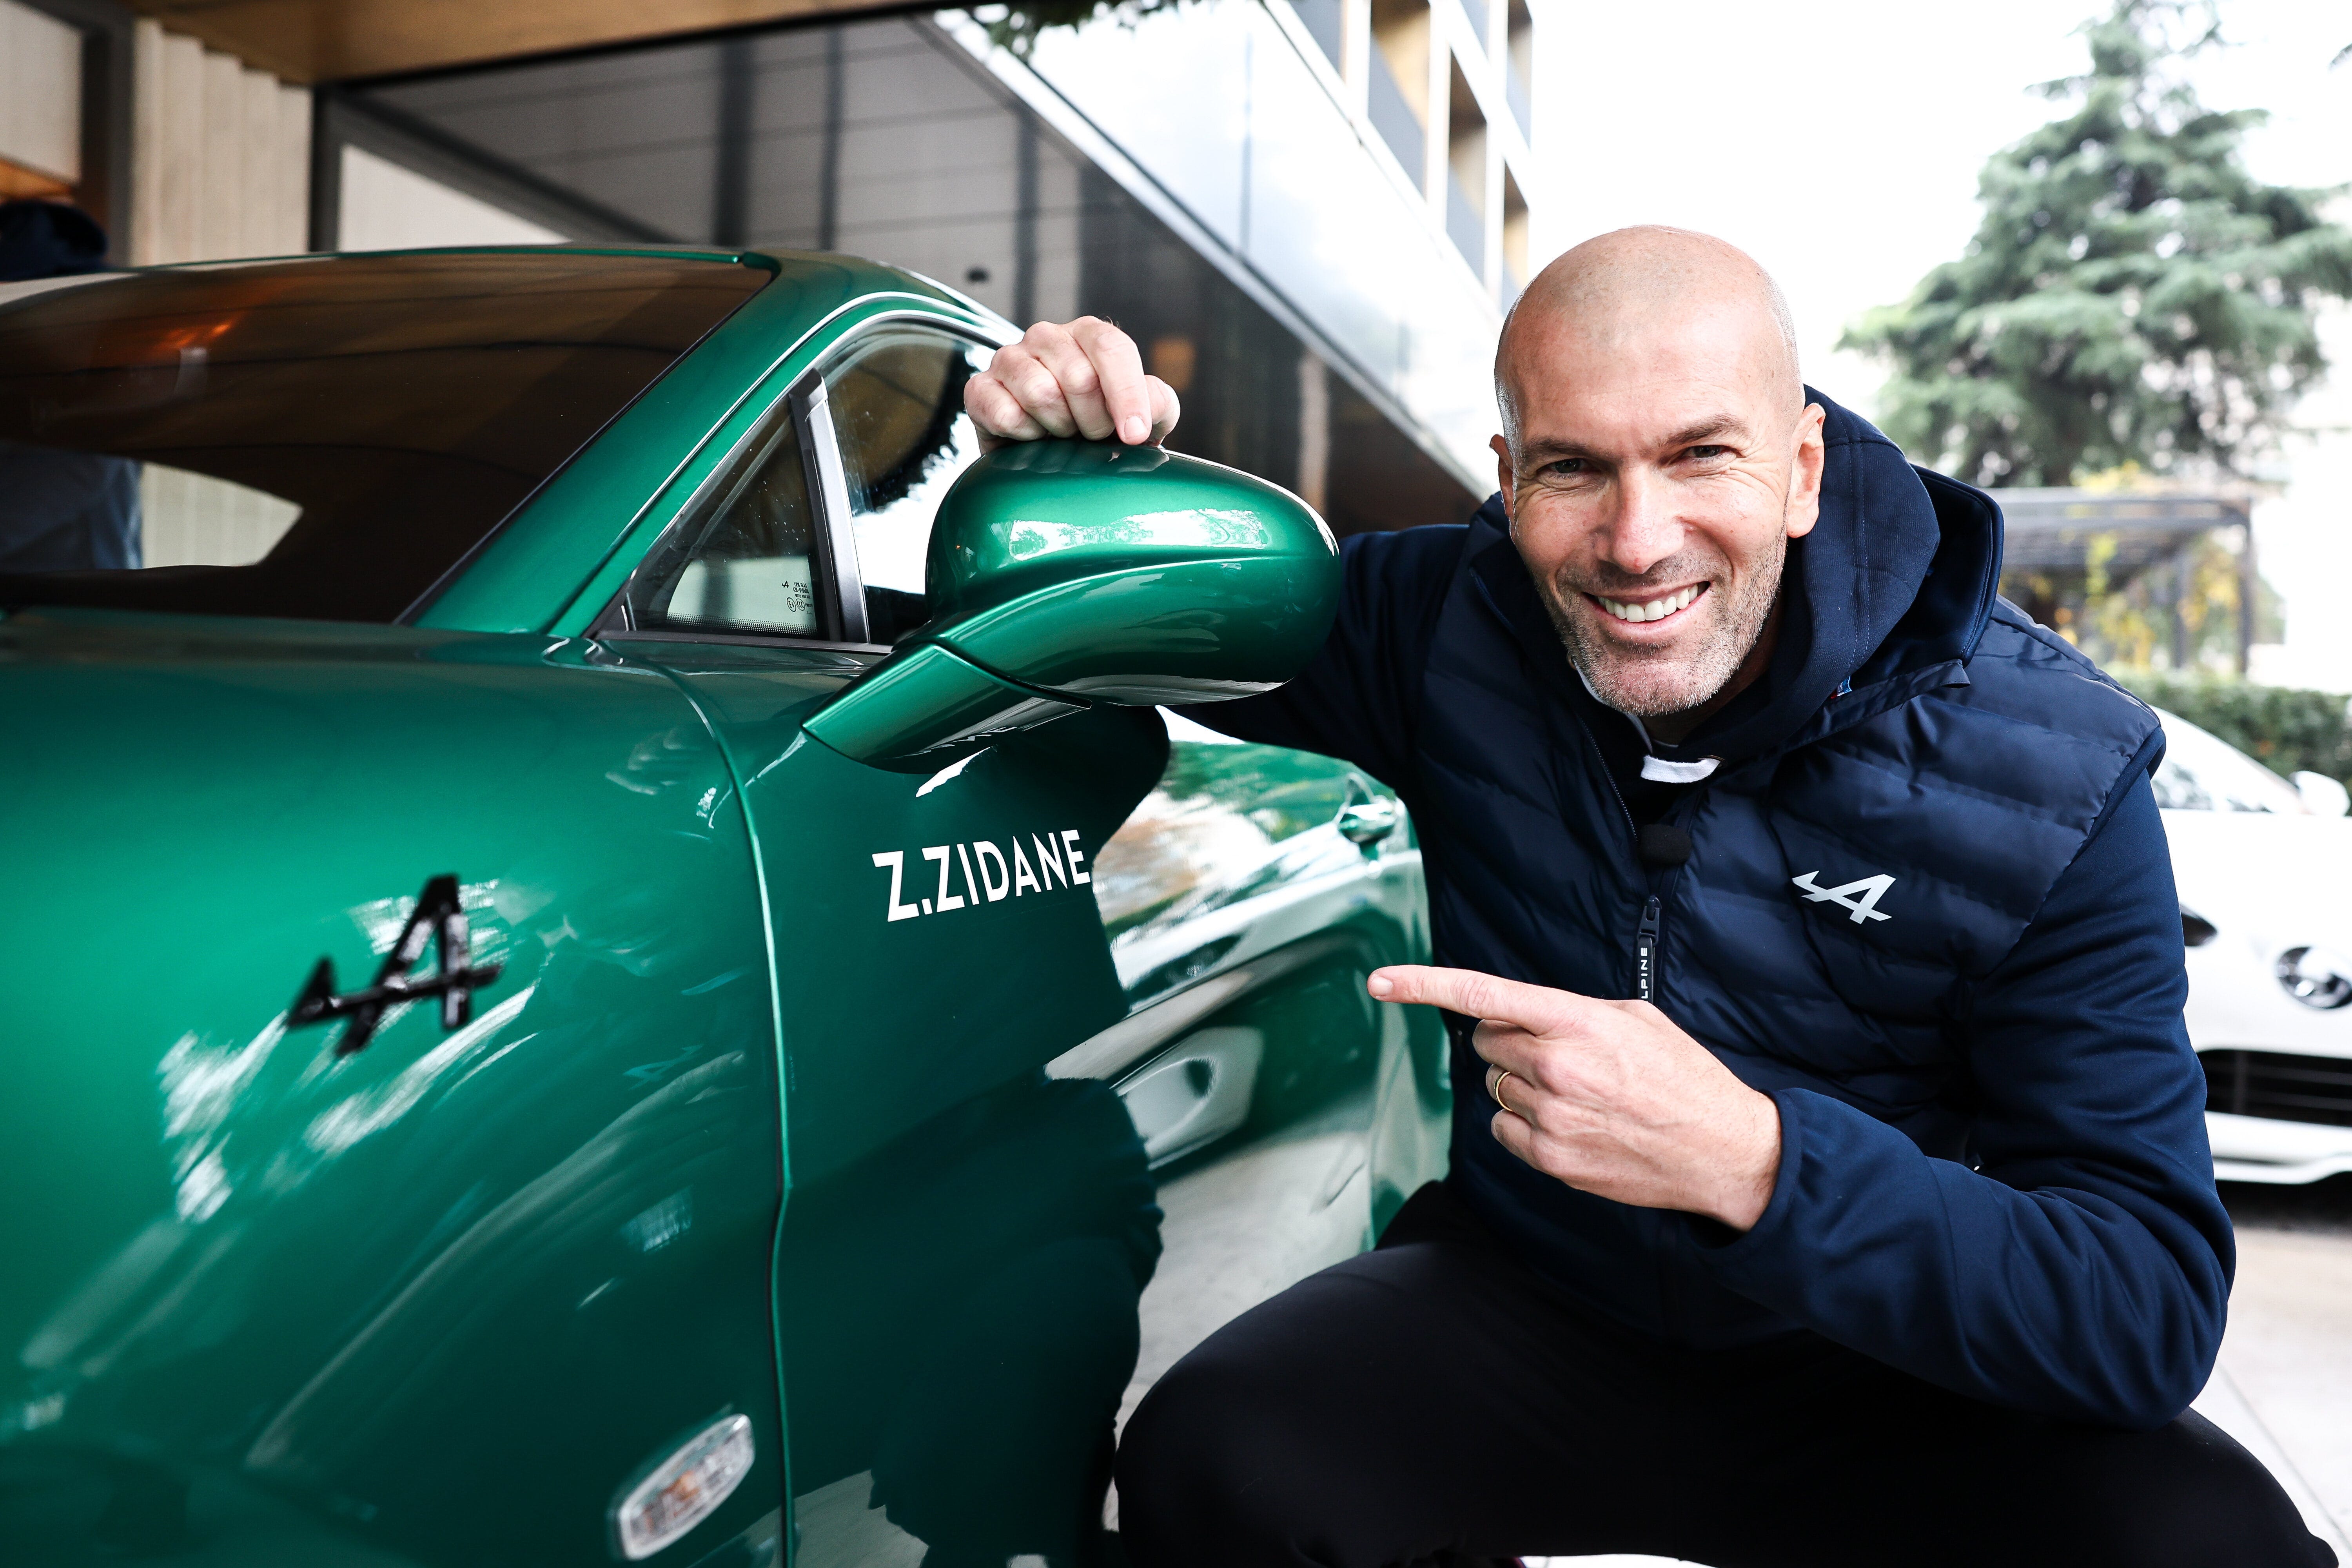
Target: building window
1519 71
1325 24
1465 171
1397 91
1515 239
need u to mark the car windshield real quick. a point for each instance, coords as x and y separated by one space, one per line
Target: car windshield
2201 772
324 438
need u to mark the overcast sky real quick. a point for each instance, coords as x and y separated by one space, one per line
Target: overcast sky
1839 140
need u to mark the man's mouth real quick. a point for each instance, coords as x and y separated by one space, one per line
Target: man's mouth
1641 611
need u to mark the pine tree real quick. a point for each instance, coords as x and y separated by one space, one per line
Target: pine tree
2133 295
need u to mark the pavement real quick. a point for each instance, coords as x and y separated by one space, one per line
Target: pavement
2283 1387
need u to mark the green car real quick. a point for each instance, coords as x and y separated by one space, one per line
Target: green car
608 952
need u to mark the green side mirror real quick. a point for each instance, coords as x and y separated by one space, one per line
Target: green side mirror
1064 573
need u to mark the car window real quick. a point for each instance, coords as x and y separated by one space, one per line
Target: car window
323 438
897 399
2201 772
746 561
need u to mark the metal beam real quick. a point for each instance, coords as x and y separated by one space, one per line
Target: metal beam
343 40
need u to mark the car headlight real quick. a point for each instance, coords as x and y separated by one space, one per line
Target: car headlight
2315 976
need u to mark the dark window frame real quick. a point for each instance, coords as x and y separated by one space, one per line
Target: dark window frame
841 585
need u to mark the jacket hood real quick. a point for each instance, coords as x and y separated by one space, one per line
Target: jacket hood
1898 575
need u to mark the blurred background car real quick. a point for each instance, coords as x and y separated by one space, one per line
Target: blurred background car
2263 864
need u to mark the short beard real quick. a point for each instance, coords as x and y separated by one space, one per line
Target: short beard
1650 687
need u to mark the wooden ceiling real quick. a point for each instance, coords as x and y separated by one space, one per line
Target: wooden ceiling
335 40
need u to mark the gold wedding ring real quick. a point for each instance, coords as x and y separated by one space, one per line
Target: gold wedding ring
1496 1094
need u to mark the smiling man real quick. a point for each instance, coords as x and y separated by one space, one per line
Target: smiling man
1830 1182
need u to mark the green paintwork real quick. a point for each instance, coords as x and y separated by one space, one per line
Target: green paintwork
920 709
255 1289
933 1198
1130 573
1094 573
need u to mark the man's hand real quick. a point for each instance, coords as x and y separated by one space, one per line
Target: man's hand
1610 1097
1083 379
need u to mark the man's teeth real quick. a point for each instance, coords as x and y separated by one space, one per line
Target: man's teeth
1656 609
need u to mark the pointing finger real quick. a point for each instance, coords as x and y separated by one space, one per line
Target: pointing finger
1539 1009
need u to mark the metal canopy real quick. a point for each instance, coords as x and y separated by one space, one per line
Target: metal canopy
2053 529
2048 529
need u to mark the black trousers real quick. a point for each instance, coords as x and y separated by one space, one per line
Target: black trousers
1435 1399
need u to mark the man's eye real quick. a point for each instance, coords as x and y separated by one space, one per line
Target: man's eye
1706 454
1565 467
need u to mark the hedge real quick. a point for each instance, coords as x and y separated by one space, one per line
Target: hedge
2290 729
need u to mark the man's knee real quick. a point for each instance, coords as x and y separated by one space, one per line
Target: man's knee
1195 1484
2185 1495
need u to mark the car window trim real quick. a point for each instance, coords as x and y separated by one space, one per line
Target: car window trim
618 634
805 404
828 492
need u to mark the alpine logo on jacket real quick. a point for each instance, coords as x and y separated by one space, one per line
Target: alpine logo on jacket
1870 889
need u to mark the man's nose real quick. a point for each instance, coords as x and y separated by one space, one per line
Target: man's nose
1645 530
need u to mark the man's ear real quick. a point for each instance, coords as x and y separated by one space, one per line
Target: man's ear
1805 465
1507 478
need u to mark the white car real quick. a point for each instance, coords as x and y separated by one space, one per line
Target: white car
2264 867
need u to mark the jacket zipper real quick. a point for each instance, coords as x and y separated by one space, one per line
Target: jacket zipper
1645 952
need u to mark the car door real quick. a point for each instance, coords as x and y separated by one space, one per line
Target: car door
935 942
983 1097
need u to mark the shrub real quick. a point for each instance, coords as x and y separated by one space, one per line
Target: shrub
2287 728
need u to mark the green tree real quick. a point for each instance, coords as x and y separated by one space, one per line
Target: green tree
1016 27
2132 295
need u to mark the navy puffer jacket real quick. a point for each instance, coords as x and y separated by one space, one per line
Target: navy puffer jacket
1928 909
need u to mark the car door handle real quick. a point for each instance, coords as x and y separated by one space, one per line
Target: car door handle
1365 823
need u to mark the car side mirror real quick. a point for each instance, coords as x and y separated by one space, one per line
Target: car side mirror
1064 573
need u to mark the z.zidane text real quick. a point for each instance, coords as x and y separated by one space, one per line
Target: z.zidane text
979 872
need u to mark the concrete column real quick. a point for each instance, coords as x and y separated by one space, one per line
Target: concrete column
1314 429
40 103
1355 52
220 158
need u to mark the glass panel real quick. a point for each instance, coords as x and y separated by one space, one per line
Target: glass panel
1323 19
1392 116
747 563
321 438
897 408
2201 772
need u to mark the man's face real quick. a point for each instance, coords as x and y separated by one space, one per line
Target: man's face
1661 471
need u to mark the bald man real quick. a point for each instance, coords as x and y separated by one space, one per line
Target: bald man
1829 1179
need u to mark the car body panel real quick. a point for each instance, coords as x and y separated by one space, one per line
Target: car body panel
973 1176
372 1283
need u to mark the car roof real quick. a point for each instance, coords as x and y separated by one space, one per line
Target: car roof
867 275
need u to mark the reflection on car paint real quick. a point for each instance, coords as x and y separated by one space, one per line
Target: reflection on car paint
449 1300
1250 1120
322 1309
